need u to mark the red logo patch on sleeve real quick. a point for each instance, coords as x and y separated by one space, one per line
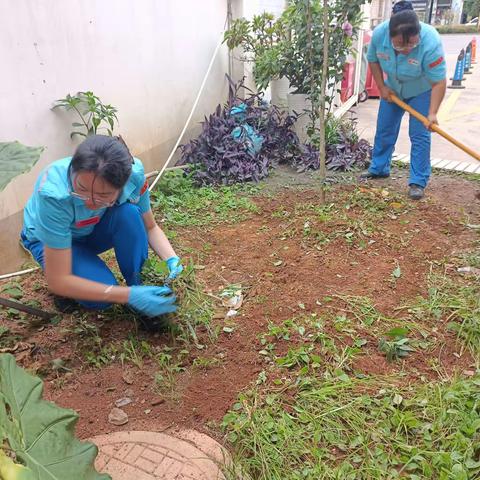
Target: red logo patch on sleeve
438 61
144 188
87 222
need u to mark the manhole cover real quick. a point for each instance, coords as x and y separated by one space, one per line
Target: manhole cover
150 456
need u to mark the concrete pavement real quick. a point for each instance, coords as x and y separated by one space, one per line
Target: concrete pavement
459 115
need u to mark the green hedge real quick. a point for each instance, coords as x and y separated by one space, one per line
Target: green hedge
457 28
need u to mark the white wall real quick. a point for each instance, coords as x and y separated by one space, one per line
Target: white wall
146 57
256 7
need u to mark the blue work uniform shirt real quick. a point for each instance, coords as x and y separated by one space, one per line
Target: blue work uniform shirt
413 74
55 217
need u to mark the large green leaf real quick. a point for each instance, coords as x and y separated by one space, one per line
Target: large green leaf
16 159
39 433
12 471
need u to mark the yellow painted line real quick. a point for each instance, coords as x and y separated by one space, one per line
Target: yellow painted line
447 106
465 113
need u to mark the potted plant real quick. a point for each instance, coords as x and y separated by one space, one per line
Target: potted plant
302 54
260 40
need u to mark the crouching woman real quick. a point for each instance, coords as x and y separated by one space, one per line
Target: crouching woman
85 205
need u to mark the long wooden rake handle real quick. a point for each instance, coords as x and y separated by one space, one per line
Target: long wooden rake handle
434 127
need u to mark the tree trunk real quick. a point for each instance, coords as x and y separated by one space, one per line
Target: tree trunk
323 91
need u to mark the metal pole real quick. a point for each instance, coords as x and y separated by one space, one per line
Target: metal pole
229 24
387 10
430 13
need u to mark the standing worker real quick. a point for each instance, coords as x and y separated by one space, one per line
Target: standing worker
410 53
85 205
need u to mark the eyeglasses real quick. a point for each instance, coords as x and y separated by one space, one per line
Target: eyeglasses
403 49
86 198
100 203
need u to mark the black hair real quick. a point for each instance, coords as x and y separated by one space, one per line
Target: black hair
107 157
404 21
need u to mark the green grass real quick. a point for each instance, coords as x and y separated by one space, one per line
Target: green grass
205 363
169 363
457 303
396 345
471 259
134 351
359 314
7 339
308 347
357 429
375 203
99 352
180 203
357 217
361 308
310 415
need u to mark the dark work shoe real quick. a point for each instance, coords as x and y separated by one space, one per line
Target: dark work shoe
416 192
153 325
65 305
372 176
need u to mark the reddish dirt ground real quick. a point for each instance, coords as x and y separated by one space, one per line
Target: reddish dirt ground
248 253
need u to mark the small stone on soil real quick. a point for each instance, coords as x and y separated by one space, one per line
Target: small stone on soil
127 377
123 402
117 417
157 401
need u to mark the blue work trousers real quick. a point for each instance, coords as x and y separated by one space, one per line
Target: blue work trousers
120 228
388 126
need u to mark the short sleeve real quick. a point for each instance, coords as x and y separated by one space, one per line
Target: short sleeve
434 64
141 193
53 222
144 201
372 52
372 47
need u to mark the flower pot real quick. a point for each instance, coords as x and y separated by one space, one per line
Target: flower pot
280 88
299 103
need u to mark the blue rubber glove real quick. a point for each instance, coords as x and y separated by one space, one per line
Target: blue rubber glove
174 267
152 301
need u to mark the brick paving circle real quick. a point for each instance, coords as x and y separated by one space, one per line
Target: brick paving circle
178 455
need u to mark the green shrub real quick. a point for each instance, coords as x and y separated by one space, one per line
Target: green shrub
456 28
